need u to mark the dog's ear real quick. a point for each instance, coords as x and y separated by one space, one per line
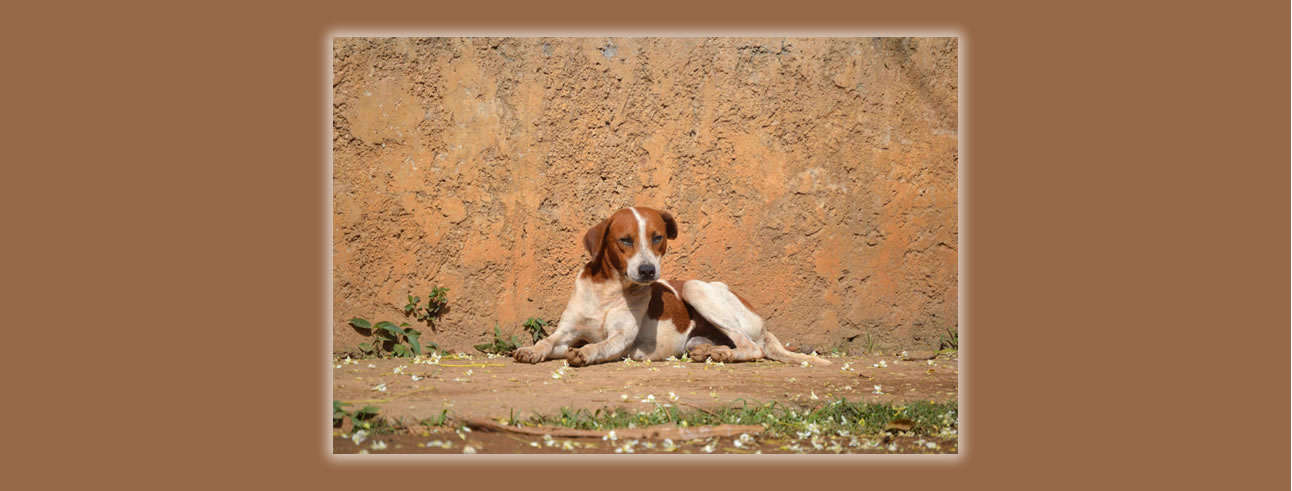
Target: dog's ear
595 237
670 226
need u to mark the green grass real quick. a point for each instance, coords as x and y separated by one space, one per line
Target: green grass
779 420
929 418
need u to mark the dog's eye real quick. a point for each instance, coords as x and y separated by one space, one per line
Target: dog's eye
628 241
656 239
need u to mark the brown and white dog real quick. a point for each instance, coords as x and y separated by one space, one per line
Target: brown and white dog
621 307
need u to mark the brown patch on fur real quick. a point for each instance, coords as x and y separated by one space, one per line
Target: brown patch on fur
665 305
595 237
602 241
670 225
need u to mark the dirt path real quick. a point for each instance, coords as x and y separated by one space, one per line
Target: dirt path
493 388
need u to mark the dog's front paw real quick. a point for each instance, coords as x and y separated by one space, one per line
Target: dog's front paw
527 355
578 357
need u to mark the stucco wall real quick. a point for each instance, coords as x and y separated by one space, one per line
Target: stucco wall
817 177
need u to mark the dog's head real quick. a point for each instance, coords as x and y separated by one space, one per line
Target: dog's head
633 241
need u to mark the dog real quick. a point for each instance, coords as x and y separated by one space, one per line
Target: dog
620 306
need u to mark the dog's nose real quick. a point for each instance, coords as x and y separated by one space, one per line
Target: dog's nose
646 271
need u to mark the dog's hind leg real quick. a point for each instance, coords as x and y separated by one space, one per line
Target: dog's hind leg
698 341
722 308
729 315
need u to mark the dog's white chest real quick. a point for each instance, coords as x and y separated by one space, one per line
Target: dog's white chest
593 304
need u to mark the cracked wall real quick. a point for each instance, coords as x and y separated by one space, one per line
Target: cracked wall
816 176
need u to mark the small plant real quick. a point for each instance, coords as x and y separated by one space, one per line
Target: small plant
360 419
400 340
434 308
949 341
433 347
499 346
871 344
442 420
403 340
535 328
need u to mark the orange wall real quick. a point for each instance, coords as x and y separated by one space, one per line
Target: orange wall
817 177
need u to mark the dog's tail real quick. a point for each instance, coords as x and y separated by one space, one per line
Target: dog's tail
774 350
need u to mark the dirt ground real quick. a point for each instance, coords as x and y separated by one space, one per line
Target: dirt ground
494 388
